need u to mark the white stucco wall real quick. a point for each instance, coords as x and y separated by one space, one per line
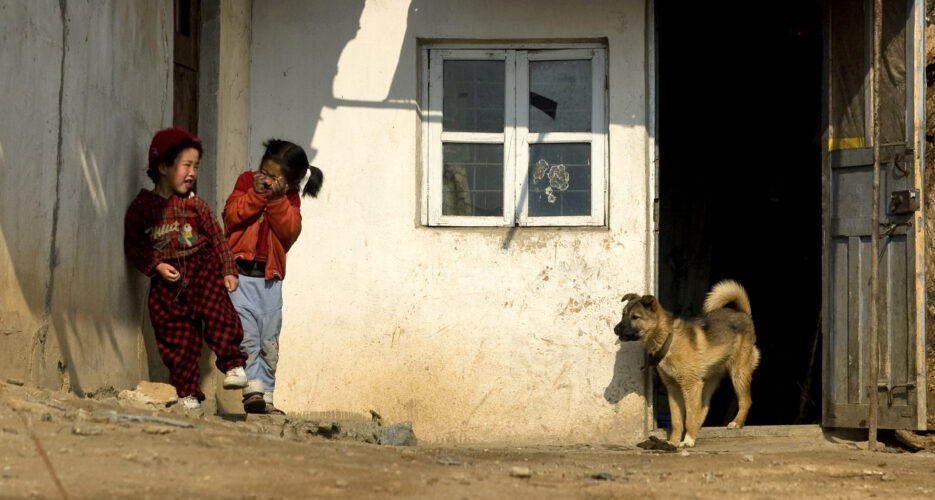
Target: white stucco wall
83 91
467 336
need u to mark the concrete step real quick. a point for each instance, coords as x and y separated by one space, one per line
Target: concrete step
750 431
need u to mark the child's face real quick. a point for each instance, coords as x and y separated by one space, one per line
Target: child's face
180 178
271 176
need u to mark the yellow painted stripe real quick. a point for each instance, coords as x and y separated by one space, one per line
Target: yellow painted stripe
846 143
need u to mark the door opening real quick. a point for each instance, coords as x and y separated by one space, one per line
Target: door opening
185 64
739 113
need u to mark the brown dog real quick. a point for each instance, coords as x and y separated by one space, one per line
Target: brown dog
693 356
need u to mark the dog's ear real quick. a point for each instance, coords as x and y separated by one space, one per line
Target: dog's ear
649 302
630 296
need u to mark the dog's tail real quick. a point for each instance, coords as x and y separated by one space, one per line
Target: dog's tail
725 293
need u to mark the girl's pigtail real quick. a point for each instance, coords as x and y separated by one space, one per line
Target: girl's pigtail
315 179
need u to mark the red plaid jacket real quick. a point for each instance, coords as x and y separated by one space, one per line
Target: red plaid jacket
158 229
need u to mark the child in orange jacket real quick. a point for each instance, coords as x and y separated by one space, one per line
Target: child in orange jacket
262 219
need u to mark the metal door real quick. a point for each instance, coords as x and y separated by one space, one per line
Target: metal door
847 176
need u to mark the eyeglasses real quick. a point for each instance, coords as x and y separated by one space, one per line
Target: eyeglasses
273 177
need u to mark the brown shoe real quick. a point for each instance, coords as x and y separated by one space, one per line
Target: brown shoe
254 403
272 410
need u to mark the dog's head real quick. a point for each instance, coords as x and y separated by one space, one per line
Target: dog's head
640 316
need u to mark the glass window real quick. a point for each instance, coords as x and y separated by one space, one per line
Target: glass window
512 137
473 179
851 59
893 78
559 179
848 65
560 96
473 96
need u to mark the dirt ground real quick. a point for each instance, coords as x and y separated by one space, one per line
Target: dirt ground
57 445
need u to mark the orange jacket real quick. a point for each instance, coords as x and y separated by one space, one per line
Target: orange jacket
242 215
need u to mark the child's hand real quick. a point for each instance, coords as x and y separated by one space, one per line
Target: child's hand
167 272
261 184
279 188
231 282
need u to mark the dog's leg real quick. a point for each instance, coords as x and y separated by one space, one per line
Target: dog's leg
693 395
741 375
741 379
676 408
710 385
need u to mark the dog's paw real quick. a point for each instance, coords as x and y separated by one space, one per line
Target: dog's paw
687 443
734 425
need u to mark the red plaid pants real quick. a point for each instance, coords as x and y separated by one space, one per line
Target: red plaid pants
179 310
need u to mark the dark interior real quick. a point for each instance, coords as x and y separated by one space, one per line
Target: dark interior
739 114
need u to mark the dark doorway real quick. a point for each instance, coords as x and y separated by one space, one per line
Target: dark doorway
185 67
739 113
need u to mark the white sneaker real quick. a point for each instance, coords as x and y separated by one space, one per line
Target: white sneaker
236 378
190 403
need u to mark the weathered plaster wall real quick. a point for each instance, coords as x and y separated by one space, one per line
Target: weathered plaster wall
28 159
223 121
85 85
224 96
470 333
233 95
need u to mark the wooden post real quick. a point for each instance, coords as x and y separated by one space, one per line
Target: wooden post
875 229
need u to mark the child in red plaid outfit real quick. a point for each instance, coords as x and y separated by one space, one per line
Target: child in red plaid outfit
172 237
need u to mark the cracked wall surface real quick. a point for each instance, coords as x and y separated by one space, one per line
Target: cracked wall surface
30 67
85 86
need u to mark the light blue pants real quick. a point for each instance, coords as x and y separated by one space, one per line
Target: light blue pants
259 303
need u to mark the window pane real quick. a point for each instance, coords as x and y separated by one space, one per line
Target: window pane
847 70
473 96
893 76
473 179
559 180
560 96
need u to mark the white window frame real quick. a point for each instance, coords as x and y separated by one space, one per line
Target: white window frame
515 137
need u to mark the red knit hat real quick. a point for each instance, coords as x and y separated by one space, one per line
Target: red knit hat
166 138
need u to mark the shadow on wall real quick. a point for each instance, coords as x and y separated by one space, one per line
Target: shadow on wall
401 89
309 77
347 30
114 310
89 303
403 92
617 388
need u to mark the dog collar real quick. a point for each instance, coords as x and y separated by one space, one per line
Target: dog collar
656 357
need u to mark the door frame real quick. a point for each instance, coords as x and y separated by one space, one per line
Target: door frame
652 187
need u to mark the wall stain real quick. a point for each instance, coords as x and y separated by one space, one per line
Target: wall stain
396 334
480 403
573 306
